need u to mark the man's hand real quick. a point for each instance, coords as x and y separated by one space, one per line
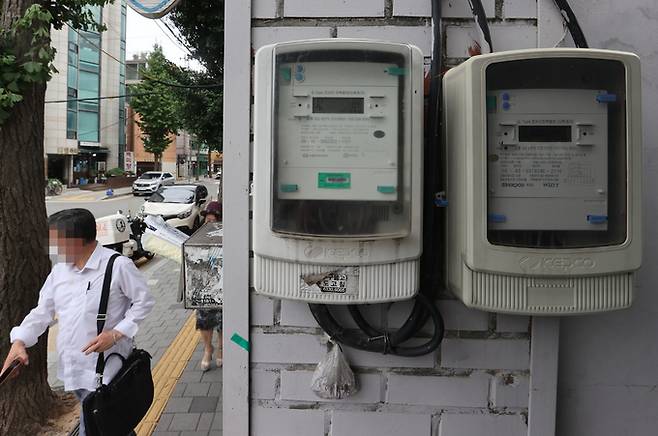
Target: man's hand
16 352
103 342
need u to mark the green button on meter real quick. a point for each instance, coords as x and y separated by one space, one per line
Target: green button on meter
386 189
289 188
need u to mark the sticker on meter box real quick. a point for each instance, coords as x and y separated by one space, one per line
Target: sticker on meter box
334 180
341 281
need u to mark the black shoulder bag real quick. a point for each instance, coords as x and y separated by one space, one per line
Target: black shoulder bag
115 409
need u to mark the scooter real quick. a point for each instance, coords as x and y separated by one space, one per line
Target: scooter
123 234
113 233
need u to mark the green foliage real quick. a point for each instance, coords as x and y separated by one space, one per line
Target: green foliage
25 52
156 103
201 23
115 172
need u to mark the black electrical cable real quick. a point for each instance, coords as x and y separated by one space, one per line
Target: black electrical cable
384 342
572 23
481 21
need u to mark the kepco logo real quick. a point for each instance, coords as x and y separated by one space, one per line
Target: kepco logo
556 264
314 251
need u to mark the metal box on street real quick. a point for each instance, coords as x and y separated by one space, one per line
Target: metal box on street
203 268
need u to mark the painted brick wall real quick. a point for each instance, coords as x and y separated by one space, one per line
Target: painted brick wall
478 382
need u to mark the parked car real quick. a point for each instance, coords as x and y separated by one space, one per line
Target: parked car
184 201
151 181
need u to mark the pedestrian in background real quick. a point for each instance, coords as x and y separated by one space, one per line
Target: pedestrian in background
207 320
71 294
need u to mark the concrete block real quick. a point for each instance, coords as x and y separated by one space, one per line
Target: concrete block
512 323
469 391
510 354
510 391
263 8
205 421
504 37
178 405
479 425
286 422
297 314
261 385
333 8
412 8
461 9
296 385
261 310
520 9
380 424
377 360
203 404
286 348
420 36
261 36
456 316
196 389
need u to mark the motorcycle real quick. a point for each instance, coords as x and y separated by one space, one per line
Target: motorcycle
123 234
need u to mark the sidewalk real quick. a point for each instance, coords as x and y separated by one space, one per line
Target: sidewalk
76 194
195 406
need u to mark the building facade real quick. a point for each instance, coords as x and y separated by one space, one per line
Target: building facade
85 131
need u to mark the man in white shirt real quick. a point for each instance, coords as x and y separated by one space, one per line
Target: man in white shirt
72 294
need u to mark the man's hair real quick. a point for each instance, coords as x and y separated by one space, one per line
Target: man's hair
74 223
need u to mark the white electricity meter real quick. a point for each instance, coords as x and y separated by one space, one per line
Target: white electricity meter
544 175
337 170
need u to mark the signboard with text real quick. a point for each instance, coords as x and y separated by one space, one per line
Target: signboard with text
129 161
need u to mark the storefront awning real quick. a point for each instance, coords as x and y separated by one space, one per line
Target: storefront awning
91 150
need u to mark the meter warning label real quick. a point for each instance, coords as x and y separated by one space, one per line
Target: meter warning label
334 180
546 171
341 281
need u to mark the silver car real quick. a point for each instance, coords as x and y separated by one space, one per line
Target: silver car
151 181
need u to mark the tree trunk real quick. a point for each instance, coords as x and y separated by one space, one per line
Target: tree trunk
24 262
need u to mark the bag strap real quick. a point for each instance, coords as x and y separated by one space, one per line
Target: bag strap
102 316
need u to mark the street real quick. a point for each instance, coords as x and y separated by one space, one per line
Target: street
126 203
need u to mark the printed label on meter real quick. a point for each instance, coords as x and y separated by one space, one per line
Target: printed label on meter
338 132
547 160
341 281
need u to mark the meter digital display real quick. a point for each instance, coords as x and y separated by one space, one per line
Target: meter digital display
545 133
337 105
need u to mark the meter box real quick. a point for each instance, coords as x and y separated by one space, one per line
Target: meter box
337 170
544 172
203 268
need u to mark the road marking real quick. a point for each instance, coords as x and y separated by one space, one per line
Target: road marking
167 372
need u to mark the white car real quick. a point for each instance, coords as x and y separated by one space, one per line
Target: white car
151 181
180 205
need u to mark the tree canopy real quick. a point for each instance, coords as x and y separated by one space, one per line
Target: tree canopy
156 103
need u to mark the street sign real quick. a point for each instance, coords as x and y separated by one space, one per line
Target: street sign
129 162
152 8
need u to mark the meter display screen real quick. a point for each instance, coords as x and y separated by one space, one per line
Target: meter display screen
556 153
337 105
545 133
341 143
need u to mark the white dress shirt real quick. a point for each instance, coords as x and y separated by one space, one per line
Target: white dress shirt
73 296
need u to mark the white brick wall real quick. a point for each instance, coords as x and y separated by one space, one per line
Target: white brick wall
418 36
481 425
477 383
333 8
380 424
286 422
508 354
469 391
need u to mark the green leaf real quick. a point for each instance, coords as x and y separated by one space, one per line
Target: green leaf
32 67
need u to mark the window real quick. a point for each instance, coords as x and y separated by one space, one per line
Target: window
89 52
88 84
72 76
88 126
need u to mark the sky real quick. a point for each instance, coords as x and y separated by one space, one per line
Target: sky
142 33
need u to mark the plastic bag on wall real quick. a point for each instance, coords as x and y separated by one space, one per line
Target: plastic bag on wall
333 379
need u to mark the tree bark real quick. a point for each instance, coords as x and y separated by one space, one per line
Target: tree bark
24 262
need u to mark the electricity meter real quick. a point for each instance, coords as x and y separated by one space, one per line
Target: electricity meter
544 173
337 170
